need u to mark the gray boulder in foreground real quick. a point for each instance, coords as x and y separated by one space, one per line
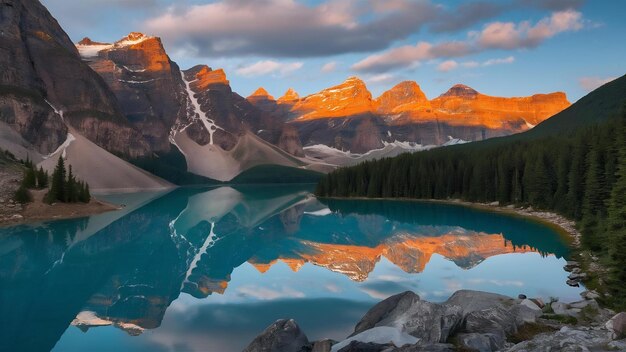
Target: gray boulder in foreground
473 320
430 322
617 326
282 336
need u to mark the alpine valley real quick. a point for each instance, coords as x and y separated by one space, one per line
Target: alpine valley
127 117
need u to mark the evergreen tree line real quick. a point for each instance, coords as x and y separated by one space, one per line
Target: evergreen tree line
65 188
581 176
33 179
63 185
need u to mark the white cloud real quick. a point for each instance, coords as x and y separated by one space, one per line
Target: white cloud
495 35
509 35
506 60
448 65
329 67
266 67
591 83
382 78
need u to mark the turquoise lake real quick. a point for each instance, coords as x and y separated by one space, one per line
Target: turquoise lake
207 269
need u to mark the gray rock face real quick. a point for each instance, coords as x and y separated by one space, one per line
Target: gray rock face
428 321
147 85
434 347
617 326
481 342
282 336
40 65
567 339
472 301
358 346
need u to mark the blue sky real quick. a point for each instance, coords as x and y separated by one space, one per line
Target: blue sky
504 48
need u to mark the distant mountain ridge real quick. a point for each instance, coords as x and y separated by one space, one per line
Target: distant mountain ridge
405 114
129 99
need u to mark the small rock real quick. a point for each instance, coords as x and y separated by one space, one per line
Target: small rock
617 326
494 204
323 345
539 302
521 296
530 304
585 303
590 295
17 217
572 283
282 336
577 277
559 308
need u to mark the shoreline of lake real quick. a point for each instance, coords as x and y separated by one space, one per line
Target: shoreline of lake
38 211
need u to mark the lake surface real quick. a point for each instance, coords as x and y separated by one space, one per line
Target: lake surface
207 269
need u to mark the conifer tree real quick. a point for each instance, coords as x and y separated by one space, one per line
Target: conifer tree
57 186
42 178
30 178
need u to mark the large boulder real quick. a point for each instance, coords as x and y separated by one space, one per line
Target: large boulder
480 342
430 322
471 301
566 339
381 335
282 336
617 326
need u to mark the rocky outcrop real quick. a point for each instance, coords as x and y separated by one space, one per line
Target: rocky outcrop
427 321
42 72
282 336
470 320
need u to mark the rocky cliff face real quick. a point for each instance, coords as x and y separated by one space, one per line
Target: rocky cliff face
42 70
198 104
146 83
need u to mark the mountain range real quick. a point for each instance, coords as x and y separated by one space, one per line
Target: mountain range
110 107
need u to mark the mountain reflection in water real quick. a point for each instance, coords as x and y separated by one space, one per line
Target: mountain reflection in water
125 268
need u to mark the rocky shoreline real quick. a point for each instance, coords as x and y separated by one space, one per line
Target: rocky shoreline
467 321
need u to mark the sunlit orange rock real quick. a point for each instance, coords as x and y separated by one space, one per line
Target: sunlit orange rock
404 97
260 95
347 99
464 106
207 77
290 97
406 103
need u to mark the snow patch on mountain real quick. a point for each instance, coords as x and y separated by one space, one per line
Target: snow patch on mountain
209 124
454 141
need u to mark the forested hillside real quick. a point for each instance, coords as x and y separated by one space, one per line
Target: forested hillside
579 173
